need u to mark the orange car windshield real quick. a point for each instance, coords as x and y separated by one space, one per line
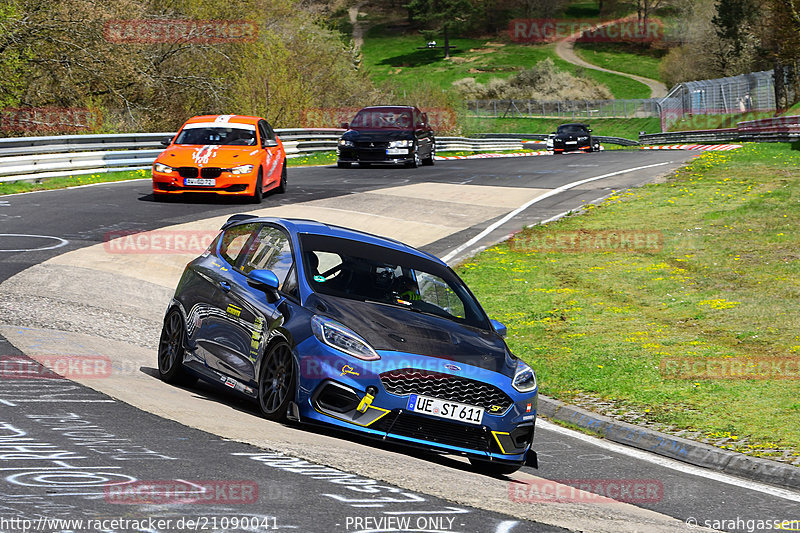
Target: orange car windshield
217 135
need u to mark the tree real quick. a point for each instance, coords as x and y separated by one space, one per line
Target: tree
732 20
645 8
445 16
781 44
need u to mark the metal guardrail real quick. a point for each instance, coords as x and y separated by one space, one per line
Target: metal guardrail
776 129
542 136
697 136
25 158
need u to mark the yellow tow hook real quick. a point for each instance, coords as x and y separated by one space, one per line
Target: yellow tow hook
366 401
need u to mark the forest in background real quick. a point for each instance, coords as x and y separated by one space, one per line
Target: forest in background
58 54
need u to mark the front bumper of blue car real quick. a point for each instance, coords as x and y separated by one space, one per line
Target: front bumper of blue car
373 397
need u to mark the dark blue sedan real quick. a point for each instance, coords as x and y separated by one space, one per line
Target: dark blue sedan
323 324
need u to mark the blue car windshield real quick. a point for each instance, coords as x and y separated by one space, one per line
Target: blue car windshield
355 270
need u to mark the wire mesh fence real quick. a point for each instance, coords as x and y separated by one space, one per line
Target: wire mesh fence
572 109
735 95
722 96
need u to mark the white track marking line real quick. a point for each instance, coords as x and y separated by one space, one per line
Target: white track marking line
61 242
506 526
529 203
671 463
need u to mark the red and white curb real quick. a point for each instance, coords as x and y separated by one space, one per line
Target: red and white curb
701 147
493 155
490 155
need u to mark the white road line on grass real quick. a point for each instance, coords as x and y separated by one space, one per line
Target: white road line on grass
526 205
672 464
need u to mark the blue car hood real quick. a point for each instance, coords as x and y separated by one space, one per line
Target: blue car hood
392 328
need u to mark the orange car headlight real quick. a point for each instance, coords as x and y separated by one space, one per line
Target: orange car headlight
164 169
242 169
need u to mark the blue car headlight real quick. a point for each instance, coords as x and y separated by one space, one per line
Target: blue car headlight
346 143
342 338
524 377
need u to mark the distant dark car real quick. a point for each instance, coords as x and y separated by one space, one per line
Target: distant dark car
574 137
395 135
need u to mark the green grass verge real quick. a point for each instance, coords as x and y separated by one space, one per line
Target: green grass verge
630 58
319 158
725 284
794 110
394 57
612 127
71 181
312 159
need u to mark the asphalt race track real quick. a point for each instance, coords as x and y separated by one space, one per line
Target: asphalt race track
65 445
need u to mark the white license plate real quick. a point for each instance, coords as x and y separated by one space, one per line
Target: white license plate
205 182
445 409
396 151
572 142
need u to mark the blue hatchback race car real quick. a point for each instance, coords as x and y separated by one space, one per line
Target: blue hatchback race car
319 323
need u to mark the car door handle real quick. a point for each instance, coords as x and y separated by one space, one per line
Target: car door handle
225 286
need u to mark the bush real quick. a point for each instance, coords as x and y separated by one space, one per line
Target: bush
544 81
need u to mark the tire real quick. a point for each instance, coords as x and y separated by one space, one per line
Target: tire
276 383
492 468
170 350
282 186
342 164
428 161
414 163
258 194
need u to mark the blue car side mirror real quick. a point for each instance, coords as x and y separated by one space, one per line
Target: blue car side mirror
500 328
265 280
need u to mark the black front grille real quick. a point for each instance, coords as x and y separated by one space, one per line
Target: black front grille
187 172
446 387
372 145
472 437
210 172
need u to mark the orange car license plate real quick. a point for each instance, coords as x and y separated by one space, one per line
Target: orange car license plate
204 182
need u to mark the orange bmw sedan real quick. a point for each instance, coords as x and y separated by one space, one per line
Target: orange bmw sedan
221 154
